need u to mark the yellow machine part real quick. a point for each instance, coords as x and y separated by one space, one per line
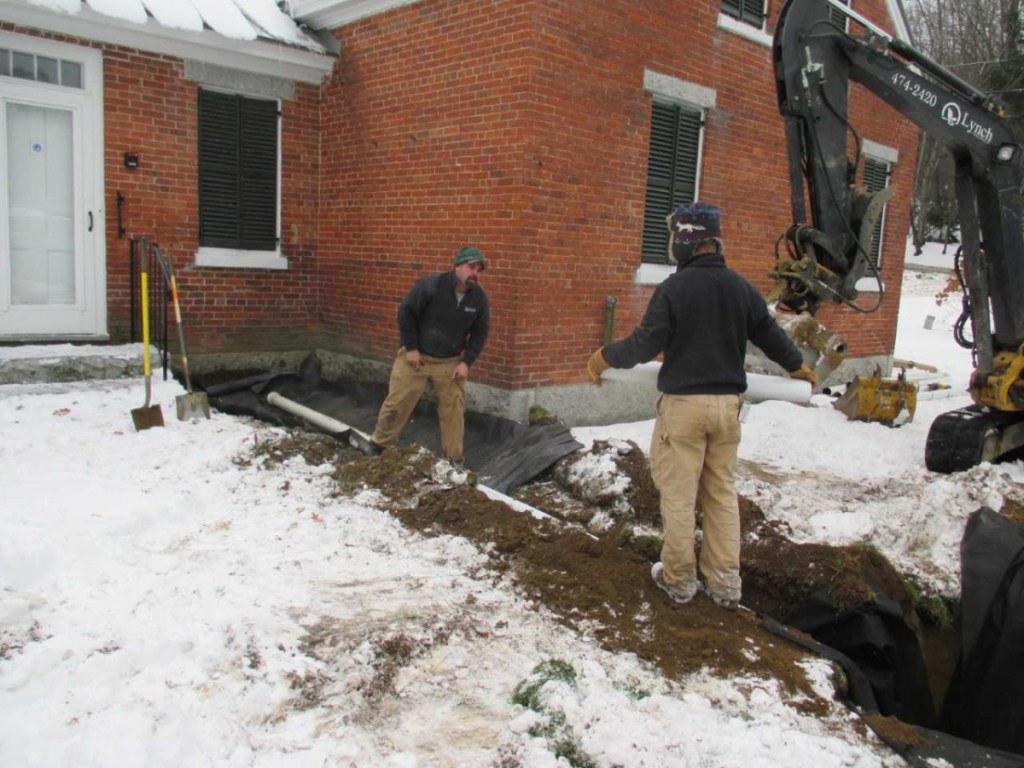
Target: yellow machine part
888 401
1001 389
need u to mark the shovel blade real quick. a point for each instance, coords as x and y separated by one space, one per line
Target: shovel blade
362 443
194 405
147 416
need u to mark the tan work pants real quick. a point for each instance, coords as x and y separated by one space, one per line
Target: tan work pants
693 459
404 392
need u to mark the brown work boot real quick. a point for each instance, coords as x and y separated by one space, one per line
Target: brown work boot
725 598
680 594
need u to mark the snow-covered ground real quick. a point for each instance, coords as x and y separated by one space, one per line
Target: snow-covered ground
165 604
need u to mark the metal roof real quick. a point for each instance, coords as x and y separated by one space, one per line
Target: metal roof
324 14
251 35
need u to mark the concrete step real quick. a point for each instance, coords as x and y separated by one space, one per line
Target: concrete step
41 363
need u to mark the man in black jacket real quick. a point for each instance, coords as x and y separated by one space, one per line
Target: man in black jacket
443 324
700 318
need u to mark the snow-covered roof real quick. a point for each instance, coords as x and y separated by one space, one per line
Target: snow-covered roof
253 35
237 19
325 14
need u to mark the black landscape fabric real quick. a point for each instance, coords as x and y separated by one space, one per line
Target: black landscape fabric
504 454
985 695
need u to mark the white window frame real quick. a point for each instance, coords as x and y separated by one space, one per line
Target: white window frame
761 36
882 154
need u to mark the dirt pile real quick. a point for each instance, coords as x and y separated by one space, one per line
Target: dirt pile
588 562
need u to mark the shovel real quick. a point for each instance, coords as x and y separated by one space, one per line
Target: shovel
148 415
193 404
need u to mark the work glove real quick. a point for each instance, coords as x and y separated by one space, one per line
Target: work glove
597 365
805 374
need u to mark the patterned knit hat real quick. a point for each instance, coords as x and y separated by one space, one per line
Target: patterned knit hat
691 224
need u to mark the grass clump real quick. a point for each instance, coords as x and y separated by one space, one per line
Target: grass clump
527 693
553 726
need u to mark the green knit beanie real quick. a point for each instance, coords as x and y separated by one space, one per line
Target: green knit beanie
470 254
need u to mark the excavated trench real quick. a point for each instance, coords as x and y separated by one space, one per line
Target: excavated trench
588 563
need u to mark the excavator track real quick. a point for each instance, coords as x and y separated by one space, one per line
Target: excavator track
961 439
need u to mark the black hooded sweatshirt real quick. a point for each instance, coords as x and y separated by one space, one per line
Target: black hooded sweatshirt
701 319
433 321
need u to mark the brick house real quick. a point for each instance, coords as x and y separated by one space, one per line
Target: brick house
302 169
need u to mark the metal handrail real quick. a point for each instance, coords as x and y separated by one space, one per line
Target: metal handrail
159 297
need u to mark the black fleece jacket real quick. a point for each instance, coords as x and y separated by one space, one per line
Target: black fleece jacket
701 318
432 321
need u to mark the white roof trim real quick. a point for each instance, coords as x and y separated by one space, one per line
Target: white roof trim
899 20
879 151
259 56
325 14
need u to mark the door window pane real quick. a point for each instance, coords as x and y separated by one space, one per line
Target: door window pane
24 65
46 70
71 74
42 69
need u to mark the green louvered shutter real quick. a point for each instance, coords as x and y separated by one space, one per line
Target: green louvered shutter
748 11
237 172
671 172
259 175
837 17
876 178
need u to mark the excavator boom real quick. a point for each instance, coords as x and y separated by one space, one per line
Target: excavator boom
815 58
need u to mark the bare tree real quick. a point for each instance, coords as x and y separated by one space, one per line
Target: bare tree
980 41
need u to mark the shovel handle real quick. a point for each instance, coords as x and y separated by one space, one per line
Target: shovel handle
144 280
181 333
168 268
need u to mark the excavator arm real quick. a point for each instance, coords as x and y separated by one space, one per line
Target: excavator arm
826 250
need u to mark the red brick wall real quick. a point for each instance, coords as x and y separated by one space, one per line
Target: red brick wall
522 127
151 109
519 126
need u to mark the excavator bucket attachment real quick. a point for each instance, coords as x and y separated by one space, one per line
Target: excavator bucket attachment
888 401
822 350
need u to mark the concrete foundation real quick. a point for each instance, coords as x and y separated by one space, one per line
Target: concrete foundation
575 404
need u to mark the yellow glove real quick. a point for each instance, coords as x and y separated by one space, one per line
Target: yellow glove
596 365
805 374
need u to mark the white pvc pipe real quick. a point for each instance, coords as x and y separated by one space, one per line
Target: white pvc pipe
759 386
322 420
338 427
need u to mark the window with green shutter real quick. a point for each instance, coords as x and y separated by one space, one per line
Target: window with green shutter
237 172
876 178
674 156
840 20
750 12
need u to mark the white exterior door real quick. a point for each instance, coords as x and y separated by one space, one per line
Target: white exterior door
52 236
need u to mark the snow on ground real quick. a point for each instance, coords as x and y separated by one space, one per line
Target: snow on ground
166 603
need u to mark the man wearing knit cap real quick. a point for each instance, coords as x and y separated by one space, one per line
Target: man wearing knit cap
443 324
700 319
